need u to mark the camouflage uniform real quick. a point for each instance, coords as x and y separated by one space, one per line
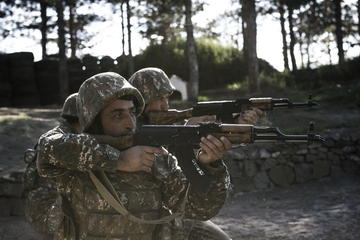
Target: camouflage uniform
152 84
41 199
143 194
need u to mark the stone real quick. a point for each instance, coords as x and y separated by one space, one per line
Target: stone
355 158
254 155
5 207
250 168
243 184
261 180
337 172
264 154
321 169
275 154
233 168
310 158
268 164
323 149
298 158
348 149
350 167
17 207
282 175
333 158
10 189
303 172
329 142
236 154
302 151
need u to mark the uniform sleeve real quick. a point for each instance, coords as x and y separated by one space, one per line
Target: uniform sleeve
201 206
59 151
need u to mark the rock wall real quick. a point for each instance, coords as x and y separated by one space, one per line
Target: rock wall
263 166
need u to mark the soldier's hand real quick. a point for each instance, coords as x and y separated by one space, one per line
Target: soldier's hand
198 120
138 158
250 116
212 149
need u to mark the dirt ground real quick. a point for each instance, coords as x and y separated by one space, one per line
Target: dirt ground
329 209
325 210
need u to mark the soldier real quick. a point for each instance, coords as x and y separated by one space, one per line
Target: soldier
142 198
41 209
156 88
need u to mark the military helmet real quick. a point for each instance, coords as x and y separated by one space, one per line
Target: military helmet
152 83
69 108
101 89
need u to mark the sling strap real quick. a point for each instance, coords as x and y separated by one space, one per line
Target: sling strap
113 199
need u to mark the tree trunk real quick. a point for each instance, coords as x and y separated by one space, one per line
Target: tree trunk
63 74
338 31
358 10
308 42
122 28
283 34
130 57
193 83
292 39
301 51
243 29
249 19
72 31
43 29
329 48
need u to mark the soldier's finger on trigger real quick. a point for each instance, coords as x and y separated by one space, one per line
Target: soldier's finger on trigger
148 163
226 142
219 145
152 150
205 147
212 147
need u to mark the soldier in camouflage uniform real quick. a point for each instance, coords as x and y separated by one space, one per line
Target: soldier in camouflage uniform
155 86
41 207
109 105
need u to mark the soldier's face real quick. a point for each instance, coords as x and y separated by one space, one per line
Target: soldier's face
118 118
159 104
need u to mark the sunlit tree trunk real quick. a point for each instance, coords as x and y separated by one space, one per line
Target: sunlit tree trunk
358 10
122 28
43 28
283 34
72 31
328 48
301 51
338 31
249 19
193 83
130 56
292 39
308 42
63 75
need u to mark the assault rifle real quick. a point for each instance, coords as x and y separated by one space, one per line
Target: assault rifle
224 110
181 140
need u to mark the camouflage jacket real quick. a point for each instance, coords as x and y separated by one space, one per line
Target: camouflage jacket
67 158
41 197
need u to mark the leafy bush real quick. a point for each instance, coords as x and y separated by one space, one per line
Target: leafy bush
219 66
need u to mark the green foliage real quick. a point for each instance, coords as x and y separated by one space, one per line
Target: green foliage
219 66
328 74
